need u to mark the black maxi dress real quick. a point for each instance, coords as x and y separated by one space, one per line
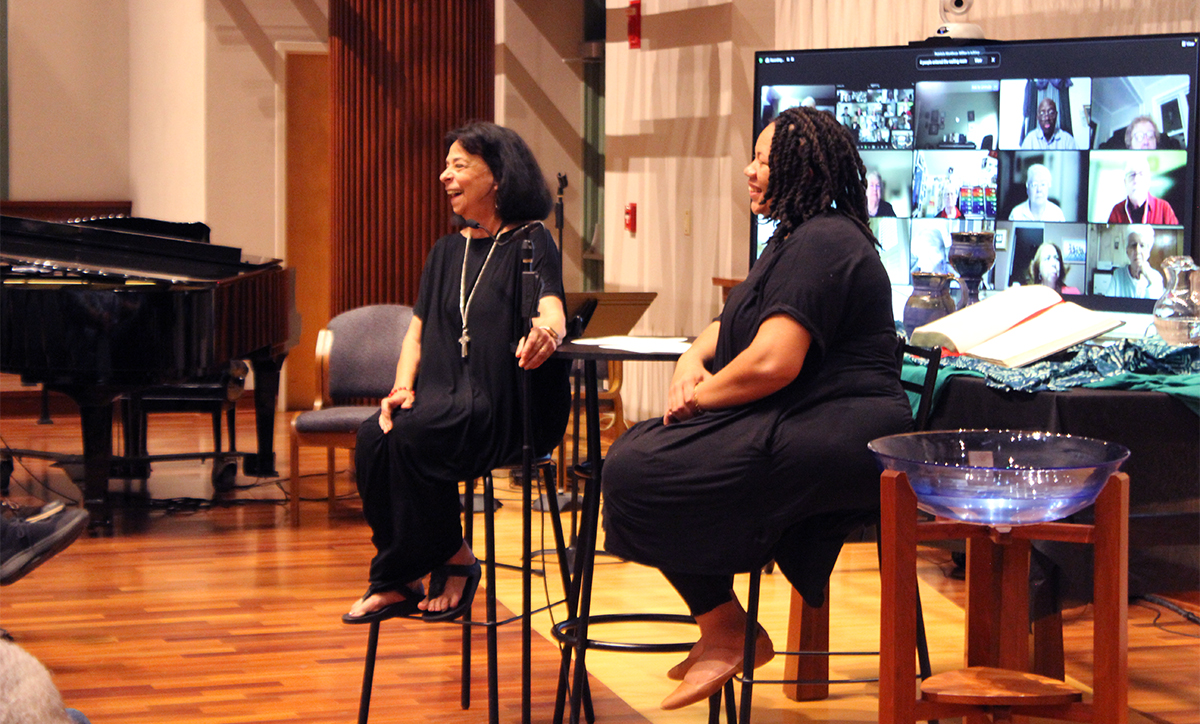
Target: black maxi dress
466 417
787 476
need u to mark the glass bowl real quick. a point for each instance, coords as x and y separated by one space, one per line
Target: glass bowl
1000 477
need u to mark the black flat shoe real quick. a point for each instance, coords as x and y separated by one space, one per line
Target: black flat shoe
437 584
407 607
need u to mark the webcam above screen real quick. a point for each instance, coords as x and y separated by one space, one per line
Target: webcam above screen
1086 145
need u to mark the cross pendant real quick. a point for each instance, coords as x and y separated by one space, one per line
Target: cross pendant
463 341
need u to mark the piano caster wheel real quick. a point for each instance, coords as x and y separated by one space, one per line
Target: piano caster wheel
224 474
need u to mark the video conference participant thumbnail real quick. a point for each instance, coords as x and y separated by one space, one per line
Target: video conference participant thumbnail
1046 186
1141 187
957 114
1144 113
889 183
1045 114
881 118
1129 258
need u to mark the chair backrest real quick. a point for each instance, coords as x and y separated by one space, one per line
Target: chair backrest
924 389
364 350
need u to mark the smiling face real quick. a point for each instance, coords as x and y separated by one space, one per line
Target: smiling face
469 184
758 172
1047 117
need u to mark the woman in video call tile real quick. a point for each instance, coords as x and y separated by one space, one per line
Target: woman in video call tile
1139 206
1048 269
1137 279
876 206
1048 135
949 208
1037 206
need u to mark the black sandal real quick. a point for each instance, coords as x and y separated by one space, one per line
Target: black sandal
437 584
407 607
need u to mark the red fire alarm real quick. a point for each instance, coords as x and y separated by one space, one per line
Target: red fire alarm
631 218
634 23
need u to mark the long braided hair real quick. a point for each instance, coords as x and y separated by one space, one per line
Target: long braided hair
814 167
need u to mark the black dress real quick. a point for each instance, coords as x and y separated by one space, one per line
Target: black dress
466 417
718 493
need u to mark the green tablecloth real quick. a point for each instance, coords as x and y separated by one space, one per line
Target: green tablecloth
1145 364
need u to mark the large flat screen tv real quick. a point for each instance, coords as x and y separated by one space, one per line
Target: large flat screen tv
1086 145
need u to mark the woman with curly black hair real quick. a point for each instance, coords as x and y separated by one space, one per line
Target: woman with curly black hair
762 451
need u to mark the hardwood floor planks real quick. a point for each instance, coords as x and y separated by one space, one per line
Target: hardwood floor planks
216 615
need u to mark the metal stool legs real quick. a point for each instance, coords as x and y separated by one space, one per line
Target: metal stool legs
752 600
546 469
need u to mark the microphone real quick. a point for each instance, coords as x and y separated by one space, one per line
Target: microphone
529 282
469 223
558 207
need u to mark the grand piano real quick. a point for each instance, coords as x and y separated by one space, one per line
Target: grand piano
100 312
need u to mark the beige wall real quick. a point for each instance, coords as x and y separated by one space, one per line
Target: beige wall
166 101
539 94
69 100
172 104
678 118
169 104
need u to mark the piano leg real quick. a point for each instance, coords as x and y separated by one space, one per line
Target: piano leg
97 418
266 395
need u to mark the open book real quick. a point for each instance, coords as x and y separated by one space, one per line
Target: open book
1015 327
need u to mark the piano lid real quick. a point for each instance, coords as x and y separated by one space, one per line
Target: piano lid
61 249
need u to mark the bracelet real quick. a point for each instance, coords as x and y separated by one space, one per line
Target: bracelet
551 332
696 403
399 389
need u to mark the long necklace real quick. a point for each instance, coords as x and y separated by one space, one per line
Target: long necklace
464 299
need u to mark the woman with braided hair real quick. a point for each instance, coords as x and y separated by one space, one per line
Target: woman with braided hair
762 451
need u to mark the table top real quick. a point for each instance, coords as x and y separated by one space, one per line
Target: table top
574 350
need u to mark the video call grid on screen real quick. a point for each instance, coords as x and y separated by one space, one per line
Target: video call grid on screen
1044 142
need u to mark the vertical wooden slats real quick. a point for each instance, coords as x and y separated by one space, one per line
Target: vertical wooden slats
403 73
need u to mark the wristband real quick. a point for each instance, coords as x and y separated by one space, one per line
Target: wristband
399 389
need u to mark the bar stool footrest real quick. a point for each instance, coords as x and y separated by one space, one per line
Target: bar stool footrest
564 632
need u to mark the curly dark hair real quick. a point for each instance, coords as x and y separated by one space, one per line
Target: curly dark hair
815 167
521 190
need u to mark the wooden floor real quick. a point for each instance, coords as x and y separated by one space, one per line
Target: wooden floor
202 613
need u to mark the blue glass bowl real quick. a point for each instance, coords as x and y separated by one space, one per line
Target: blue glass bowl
1001 477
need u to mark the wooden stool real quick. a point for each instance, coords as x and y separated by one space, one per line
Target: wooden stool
997 652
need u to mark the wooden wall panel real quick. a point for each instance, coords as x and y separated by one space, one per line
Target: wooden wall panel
404 72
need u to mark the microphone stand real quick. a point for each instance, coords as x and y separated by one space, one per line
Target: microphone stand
564 500
529 291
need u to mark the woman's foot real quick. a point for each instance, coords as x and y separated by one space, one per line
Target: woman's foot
764 651
717 657
380 605
448 596
707 674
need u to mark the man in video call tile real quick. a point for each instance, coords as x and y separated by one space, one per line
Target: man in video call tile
1048 135
1037 206
1139 206
1138 279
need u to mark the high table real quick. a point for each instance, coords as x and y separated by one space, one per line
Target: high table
580 595
1163 437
